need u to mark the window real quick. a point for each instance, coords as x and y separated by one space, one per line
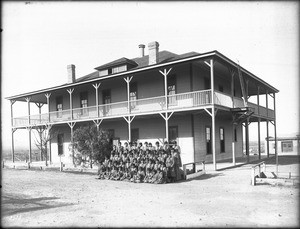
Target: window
84 103
106 100
171 90
60 144
208 140
103 72
119 69
59 106
222 139
287 146
133 95
134 134
173 133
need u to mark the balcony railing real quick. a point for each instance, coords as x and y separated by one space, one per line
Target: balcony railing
153 104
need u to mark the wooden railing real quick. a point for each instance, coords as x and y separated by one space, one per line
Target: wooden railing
152 104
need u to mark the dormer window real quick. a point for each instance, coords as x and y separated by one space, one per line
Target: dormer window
119 69
120 65
103 72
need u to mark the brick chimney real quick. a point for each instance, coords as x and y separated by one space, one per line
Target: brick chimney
71 73
153 52
142 50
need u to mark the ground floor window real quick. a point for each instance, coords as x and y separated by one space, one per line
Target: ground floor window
208 139
60 144
287 146
222 139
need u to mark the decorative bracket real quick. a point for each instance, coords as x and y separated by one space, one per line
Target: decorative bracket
208 64
71 124
98 122
70 90
47 95
39 105
27 99
210 113
165 72
129 119
13 130
96 85
127 79
12 101
166 116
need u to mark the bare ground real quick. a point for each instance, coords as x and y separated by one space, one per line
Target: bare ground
219 199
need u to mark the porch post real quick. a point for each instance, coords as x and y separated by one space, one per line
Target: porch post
96 86
166 117
127 80
71 102
29 128
129 120
50 153
12 130
247 139
40 105
165 73
233 126
258 124
28 106
29 137
275 133
213 113
71 125
268 149
48 102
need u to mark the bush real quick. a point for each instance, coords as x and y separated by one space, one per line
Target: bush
91 145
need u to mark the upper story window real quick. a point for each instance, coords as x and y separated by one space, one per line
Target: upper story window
59 106
84 102
119 69
105 72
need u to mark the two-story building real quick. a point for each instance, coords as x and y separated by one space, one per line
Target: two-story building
198 99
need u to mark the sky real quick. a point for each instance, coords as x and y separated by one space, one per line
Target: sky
39 40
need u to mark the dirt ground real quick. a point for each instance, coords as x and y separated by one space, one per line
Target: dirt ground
217 199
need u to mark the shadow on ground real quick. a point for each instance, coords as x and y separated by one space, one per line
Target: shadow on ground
15 204
202 177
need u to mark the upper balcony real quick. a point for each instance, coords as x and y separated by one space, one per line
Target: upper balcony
177 102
